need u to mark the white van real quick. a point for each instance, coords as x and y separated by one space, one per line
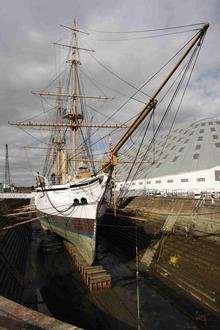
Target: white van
197 195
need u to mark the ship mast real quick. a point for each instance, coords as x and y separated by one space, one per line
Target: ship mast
58 140
74 64
76 119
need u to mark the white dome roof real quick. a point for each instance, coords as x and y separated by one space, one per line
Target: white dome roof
187 148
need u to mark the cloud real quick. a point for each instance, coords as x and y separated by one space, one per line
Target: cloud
27 61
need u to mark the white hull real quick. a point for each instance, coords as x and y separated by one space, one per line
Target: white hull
72 211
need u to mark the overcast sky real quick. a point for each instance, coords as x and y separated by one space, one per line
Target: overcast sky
27 61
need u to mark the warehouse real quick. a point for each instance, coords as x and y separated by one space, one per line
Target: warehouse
185 161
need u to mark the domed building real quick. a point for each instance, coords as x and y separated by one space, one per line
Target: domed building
185 161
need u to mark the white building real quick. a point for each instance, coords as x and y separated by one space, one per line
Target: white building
185 161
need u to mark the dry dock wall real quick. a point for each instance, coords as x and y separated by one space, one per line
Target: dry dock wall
14 246
187 258
197 216
191 266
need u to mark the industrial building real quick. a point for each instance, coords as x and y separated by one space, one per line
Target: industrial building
185 161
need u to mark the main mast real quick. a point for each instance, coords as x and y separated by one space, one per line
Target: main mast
74 118
58 141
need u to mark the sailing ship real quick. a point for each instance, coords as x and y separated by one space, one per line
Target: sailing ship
72 205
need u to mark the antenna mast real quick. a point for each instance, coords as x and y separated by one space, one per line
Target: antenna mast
7 169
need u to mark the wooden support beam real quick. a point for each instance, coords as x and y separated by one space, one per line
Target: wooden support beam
72 95
59 125
73 47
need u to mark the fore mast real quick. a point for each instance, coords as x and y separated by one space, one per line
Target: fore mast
73 114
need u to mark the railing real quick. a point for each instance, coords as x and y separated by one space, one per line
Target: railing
16 195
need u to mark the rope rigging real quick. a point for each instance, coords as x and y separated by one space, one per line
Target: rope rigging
87 146
147 30
147 37
194 56
182 97
118 109
87 135
117 75
96 83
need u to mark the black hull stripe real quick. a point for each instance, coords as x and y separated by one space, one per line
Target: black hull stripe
72 186
84 184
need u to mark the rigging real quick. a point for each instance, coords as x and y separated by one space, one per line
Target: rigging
148 30
194 57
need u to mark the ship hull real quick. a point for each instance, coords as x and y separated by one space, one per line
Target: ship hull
75 222
80 232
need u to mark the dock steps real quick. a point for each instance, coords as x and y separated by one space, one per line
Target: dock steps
95 278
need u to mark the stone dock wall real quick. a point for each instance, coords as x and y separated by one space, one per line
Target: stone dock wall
185 258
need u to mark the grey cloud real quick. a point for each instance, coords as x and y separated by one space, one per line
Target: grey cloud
28 28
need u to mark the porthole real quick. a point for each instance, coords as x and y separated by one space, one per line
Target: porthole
76 201
84 200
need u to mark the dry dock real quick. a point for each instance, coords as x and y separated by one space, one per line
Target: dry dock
14 249
179 290
187 256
